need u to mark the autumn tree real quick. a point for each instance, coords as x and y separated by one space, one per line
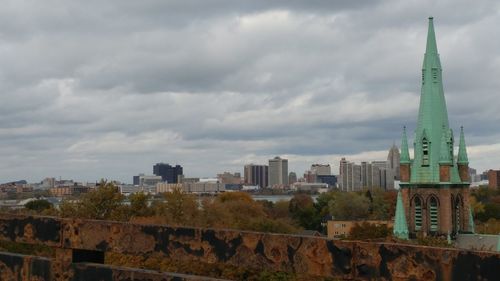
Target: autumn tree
38 205
105 202
179 208
365 230
349 206
303 211
139 205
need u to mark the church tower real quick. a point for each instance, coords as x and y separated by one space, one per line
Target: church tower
435 183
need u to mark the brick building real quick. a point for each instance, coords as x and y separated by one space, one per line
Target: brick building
337 228
494 178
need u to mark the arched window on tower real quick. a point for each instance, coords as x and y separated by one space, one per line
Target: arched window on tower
418 214
433 214
425 152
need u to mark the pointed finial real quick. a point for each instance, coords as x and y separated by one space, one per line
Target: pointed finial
400 229
431 38
471 221
404 157
462 150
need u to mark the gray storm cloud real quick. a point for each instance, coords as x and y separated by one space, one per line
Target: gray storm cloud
94 89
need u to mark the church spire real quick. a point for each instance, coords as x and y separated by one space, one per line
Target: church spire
462 151
400 225
431 47
432 116
404 158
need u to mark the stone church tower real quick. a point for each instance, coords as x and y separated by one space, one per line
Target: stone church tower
434 184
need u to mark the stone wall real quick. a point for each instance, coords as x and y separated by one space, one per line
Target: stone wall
83 240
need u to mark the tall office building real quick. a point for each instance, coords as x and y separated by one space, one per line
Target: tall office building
278 172
494 179
343 174
292 178
168 173
368 175
256 175
350 176
393 161
321 169
385 178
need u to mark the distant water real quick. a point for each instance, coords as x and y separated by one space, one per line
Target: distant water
276 198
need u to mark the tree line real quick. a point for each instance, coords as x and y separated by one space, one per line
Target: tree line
236 210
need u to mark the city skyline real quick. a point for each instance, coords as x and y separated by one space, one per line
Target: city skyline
216 87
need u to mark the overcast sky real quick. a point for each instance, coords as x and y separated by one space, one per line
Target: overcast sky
105 89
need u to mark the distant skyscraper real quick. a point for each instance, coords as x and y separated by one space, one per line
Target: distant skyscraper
393 161
354 177
256 175
344 174
168 173
292 178
321 169
350 176
278 172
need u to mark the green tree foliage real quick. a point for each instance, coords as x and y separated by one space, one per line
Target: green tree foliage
38 205
486 203
323 201
239 210
179 208
382 204
349 206
139 206
103 203
365 230
491 226
303 210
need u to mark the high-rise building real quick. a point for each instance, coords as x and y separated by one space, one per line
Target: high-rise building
168 173
494 178
434 196
385 178
229 178
292 178
278 172
321 169
256 175
393 161
343 174
350 176
367 175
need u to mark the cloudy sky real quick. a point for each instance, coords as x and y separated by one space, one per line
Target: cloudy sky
105 89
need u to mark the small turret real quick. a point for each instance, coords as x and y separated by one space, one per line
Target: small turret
463 160
471 221
404 160
400 225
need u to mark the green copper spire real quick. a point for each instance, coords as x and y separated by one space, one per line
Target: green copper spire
471 221
400 226
431 38
462 151
404 158
432 117
445 156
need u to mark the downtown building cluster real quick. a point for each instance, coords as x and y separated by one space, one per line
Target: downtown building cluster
369 175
